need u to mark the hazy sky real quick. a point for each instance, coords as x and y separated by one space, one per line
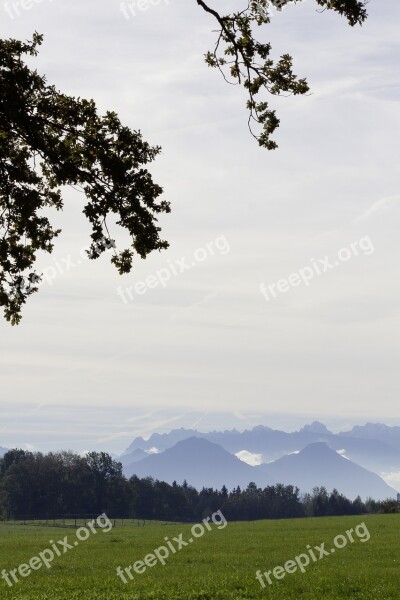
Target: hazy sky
86 369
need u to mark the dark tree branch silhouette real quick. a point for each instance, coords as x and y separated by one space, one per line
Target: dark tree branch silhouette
49 140
243 60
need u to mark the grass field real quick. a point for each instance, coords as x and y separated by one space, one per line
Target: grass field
220 565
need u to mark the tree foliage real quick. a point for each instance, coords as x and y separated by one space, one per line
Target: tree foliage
61 483
49 140
243 60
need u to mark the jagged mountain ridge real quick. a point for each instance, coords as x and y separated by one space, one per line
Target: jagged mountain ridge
205 464
375 454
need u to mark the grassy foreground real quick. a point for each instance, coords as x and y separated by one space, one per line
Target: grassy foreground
221 565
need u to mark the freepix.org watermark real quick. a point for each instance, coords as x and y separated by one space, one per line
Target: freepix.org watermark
313 555
174 269
56 549
15 9
162 553
59 267
318 267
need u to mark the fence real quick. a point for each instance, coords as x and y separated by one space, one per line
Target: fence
75 521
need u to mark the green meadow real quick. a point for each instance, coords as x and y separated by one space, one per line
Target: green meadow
220 565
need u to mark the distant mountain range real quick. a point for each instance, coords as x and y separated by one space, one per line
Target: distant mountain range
311 457
374 447
201 463
317 465
376 431
351 461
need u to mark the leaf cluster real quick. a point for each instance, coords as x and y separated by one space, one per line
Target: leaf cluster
49 140
243 60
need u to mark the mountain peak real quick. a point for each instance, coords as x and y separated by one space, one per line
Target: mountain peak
318 450
201 463
316 427
372 428
261 428
319 465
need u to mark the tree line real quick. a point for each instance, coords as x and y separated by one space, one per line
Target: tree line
37 485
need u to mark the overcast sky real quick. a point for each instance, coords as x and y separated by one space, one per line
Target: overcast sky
91 366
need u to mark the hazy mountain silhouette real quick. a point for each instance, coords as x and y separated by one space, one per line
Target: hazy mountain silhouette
316 427
372 453
132 457
201 463
205 464
376 431
318 465
162 441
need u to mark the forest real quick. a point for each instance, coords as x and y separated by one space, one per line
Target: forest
61 484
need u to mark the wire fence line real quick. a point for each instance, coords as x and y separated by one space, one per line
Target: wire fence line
76 521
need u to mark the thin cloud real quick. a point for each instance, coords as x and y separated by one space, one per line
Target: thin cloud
384 204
